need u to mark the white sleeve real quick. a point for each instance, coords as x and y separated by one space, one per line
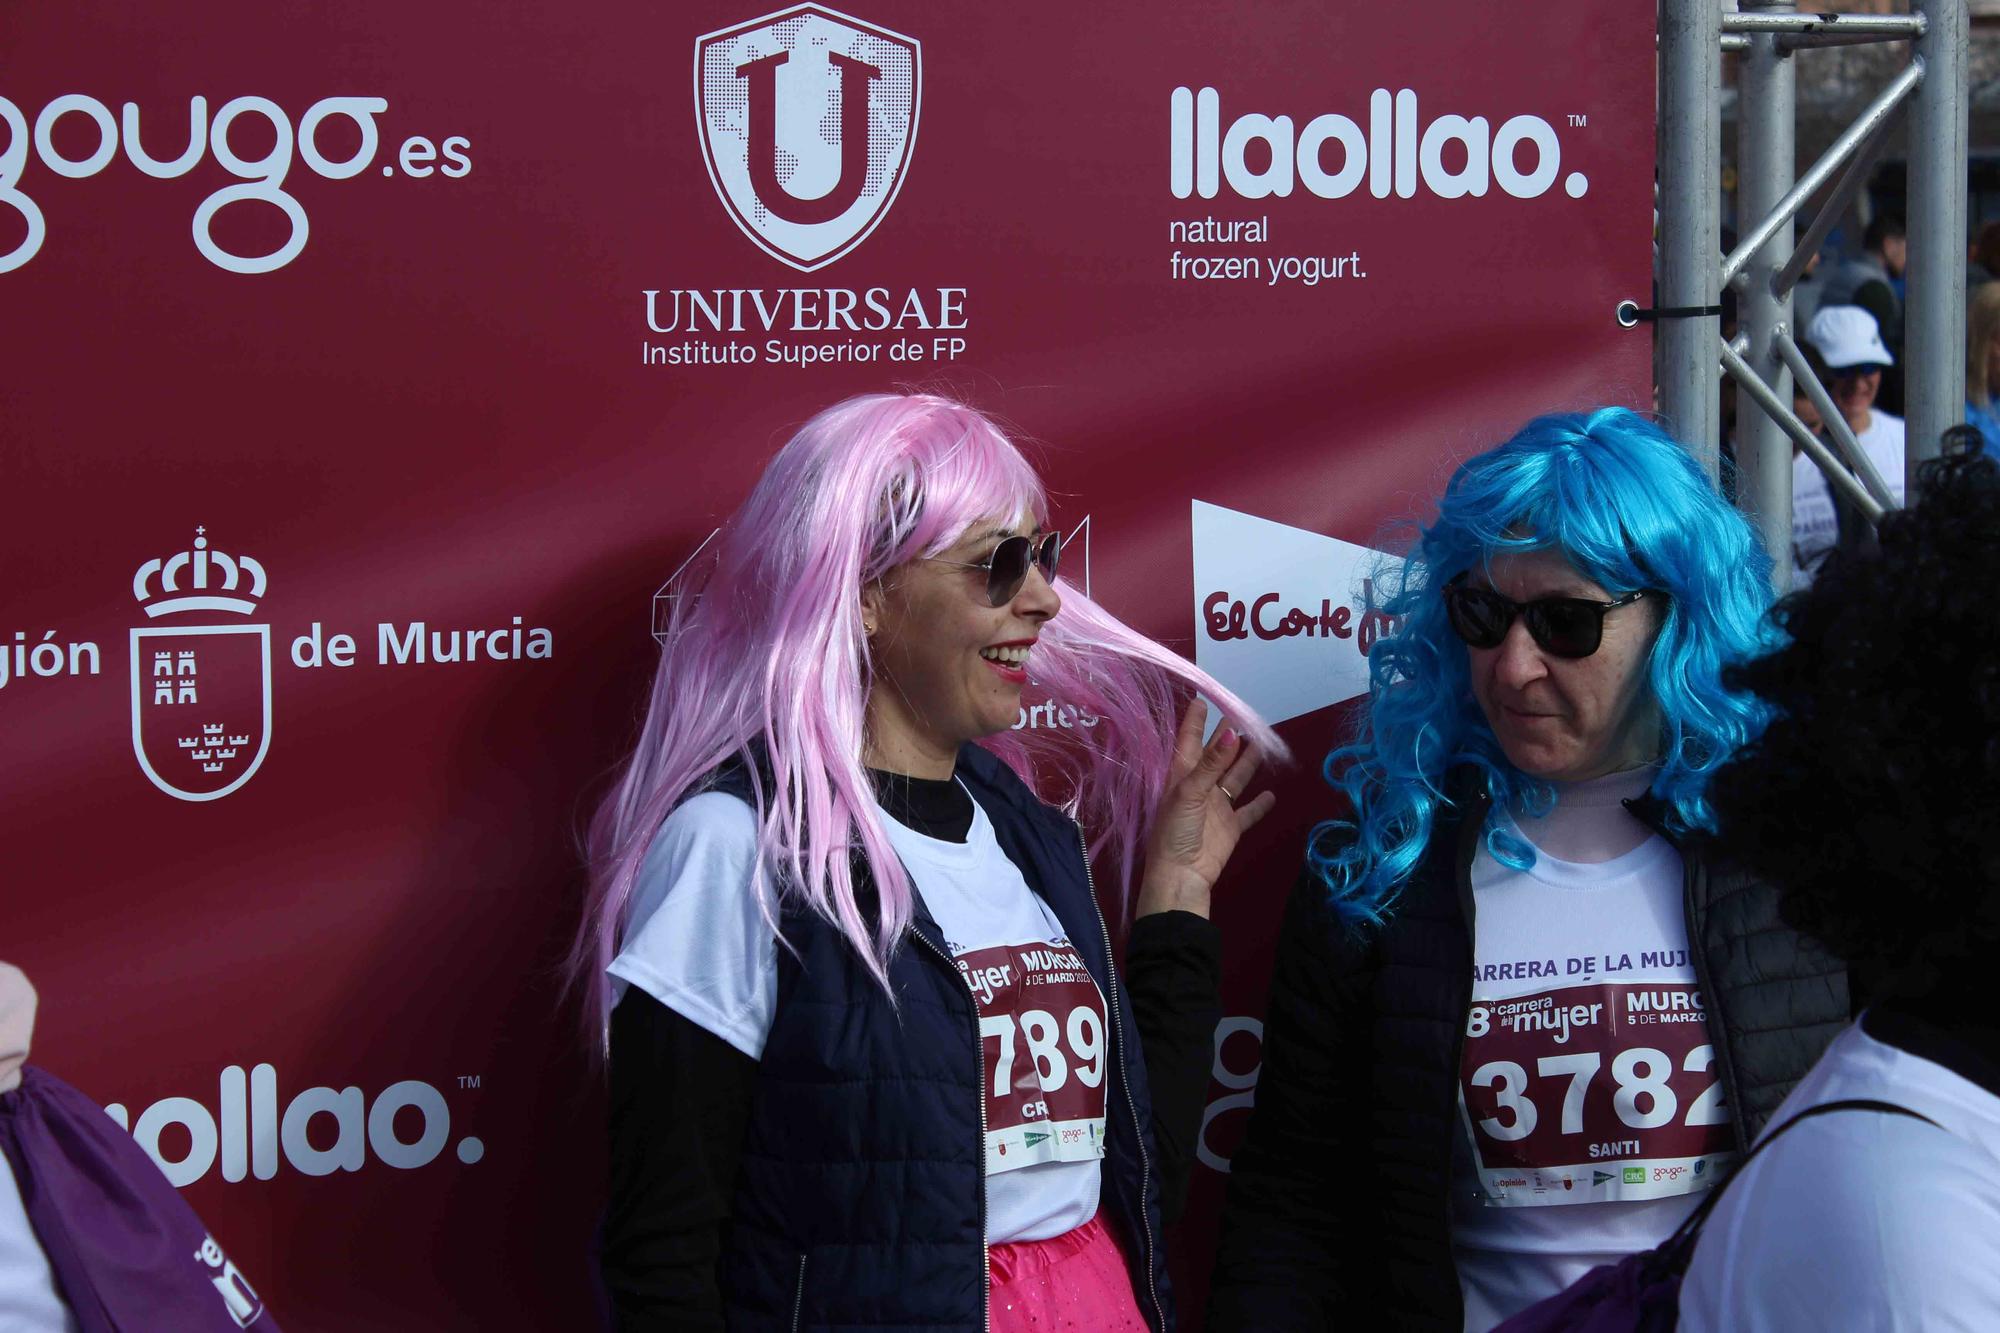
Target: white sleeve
695 940
30 1299
1881 1224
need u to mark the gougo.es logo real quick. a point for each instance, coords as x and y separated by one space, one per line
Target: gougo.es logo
98 137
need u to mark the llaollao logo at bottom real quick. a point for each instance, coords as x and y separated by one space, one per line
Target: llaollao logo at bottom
250 1129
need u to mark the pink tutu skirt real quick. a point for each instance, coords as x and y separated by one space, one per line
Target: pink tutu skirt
1075 1281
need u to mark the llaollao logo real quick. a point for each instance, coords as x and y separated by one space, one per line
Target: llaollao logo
250 1130
201 693
807 119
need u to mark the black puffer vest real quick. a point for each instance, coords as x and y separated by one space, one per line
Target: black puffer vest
861 1203
1339 1197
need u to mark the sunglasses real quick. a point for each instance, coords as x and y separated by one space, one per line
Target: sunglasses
1564 626
1007 568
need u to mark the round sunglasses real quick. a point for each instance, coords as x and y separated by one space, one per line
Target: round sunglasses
1007 568
1565 626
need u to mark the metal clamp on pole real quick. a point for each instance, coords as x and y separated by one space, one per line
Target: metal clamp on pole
1631 312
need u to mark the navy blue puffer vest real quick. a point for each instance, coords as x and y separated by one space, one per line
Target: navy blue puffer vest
861 1202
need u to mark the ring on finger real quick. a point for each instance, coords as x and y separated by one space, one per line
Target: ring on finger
1227 794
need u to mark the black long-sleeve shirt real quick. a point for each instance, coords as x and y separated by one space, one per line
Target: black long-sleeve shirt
680 1099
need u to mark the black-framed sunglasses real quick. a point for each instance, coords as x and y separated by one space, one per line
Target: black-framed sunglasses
1564 626
1007 568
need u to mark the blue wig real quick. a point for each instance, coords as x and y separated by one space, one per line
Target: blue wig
1629 509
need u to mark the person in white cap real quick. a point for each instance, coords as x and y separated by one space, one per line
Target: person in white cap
1849 341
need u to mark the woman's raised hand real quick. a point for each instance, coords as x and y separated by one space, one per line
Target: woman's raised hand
1199 818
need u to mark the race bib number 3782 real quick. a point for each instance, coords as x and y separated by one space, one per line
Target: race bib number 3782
1584 1094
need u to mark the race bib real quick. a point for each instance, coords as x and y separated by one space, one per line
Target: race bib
1584 1094
1042 1035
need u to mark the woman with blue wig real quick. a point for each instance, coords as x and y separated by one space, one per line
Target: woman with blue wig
1520 1019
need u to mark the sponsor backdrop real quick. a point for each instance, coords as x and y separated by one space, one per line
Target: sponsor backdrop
371 368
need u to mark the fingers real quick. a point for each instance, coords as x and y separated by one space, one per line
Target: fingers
1236 781
1187 740
1216 758
1248 814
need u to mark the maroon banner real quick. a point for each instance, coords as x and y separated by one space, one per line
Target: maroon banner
371 369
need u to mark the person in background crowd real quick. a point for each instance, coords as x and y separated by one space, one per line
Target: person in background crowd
1871 801
1869 279
1985 266
1873 281
1846 339
1456 1116
1821 519
1982 364
1808 294
870 1062
1803 406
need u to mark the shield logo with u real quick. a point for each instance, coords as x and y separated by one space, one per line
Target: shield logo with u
201 706
807 118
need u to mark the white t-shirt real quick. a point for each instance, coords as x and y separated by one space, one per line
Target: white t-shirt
1815 528
698 944
1589 1105
29 1299
1859 1220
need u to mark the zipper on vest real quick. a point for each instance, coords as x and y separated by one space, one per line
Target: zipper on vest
1718 1033
1131 1106
1464 854
979 1082
799 1295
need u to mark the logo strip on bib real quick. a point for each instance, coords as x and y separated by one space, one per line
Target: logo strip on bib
1591 1093
1042 1036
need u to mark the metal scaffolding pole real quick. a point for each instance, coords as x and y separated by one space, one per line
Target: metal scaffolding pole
1764 265
1934 316
1691 220
1766 154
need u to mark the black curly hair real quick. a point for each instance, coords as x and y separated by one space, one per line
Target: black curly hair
1873 798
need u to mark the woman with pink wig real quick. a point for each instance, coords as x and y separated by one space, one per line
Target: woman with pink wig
871 1063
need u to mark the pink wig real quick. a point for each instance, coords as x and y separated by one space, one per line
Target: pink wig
768 648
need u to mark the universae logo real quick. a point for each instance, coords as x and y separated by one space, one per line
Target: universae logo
807 118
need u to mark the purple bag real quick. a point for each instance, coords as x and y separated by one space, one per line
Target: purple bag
128 1252
1641 1293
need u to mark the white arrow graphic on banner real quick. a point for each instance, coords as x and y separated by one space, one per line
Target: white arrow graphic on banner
1282 615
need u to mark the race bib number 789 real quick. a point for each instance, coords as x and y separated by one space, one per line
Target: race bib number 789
1046 1051
1583 1094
